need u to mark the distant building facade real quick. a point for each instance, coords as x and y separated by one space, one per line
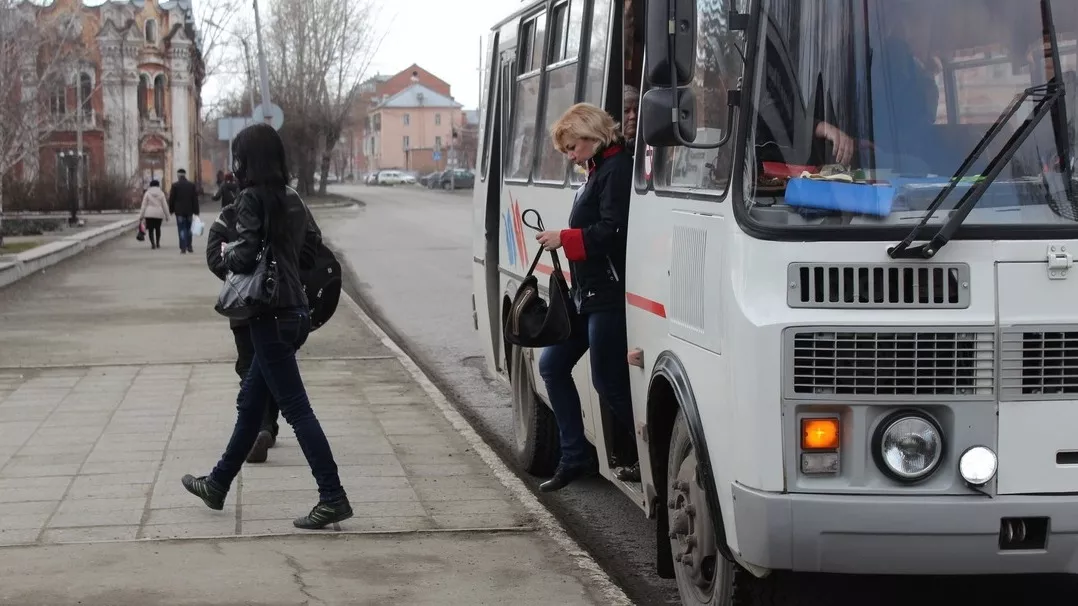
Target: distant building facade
140 83
378 130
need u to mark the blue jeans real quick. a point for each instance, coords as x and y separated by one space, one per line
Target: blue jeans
274 372
183 225
603 333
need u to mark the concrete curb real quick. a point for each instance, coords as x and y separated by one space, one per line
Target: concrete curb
545 520
36 259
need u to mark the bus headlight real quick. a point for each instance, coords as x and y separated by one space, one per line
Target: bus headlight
978 465
909 446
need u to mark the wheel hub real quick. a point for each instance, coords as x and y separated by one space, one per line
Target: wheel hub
691 532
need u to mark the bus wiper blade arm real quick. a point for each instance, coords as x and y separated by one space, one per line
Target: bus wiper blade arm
902 250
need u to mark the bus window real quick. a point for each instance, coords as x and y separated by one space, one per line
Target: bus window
565 24
718 68
530 59
597 53
487 135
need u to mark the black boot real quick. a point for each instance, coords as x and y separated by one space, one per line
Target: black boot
565 475
324 514
630 473
262 444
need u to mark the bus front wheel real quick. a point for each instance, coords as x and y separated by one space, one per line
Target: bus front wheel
535 432
704 577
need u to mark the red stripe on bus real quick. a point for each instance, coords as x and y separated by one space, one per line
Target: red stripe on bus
548 270
518 225
646 304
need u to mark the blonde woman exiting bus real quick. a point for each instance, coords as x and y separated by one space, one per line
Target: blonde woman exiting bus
594 245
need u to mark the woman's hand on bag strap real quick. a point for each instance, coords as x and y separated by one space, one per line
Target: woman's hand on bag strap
551 239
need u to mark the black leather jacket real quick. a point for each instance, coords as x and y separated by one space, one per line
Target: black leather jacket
293 232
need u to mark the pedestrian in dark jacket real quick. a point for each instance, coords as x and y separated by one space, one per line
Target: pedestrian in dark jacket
183 203
268 212
227 190
223 232
594 245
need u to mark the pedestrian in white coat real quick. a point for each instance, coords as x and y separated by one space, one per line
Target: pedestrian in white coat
154 212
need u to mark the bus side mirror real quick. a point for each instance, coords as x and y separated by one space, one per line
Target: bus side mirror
658 107
662 24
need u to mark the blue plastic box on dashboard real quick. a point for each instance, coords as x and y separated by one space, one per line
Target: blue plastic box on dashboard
861 198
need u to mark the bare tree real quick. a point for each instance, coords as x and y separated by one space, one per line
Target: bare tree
354 42
218 21
40 55
318 53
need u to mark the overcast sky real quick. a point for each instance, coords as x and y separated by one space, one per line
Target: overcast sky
442 37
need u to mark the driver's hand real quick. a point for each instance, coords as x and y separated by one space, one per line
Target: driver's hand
841 142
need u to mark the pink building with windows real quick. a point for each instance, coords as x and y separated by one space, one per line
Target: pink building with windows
412 130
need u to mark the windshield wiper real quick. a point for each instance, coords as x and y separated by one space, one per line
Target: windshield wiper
1050 99
1047 96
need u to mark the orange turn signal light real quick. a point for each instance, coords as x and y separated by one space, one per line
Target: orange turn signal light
819 434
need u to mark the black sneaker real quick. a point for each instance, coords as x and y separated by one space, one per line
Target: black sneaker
212 496
324 514
262 445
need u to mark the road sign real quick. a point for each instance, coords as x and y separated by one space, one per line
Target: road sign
275 115
437 156
228 128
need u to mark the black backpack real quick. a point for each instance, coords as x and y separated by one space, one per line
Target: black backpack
322 283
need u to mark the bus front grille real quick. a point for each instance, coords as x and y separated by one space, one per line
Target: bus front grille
858 363
1039 363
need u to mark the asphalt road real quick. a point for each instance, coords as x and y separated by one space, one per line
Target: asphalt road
410 253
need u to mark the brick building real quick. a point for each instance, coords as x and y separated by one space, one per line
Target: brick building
140 81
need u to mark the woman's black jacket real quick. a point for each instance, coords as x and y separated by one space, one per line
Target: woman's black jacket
294 238
594 244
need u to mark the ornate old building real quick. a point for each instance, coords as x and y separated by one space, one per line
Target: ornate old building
140 83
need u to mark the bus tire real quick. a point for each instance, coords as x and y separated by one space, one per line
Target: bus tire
709 579
535 431
704 576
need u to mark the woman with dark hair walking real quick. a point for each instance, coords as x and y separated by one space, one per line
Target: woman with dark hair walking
267 210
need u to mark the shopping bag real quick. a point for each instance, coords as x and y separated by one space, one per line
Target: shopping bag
196 226
141 231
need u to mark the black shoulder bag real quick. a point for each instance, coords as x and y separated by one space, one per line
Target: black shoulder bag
244 296
533 322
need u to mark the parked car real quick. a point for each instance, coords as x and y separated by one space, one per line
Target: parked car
408 178
390 177
430 179
457 178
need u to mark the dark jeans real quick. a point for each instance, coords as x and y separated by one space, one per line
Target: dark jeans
183 226
603 333
274 371
153 229
245 354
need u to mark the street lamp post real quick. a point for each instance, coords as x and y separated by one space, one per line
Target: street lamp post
77 201
262 68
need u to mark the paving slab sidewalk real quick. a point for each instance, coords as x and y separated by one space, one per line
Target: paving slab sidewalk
116 378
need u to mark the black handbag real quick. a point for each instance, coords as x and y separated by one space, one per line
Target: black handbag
244 296
533 322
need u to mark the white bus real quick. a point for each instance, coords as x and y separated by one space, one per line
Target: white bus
855 366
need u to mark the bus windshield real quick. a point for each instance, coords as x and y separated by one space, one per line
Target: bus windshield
863 110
